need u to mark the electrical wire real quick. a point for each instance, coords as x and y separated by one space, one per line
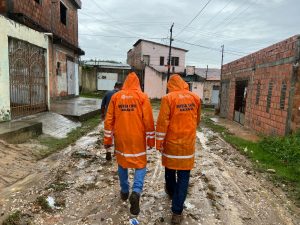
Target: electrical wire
198 14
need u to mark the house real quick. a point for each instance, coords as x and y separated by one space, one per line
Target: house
150 59
205 82
211 87
101 75
48 30
262 90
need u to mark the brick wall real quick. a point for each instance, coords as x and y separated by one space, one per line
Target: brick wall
41 14
272 64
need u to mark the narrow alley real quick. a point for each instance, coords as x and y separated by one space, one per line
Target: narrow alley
84 189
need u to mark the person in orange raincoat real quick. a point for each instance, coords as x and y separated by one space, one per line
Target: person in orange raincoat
129 120
176 138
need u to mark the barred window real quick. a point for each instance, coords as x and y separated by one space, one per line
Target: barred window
283 94
258 93
269 97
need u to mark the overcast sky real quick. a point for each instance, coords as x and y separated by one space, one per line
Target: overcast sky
109 28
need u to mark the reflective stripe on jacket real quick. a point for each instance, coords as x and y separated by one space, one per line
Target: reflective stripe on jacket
129 121
176 127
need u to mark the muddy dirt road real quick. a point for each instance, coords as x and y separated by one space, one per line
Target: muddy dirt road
224 189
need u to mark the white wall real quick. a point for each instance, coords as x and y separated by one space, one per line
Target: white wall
197 88
155 86
9 28
155 51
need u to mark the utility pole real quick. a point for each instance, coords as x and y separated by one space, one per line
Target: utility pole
206 72
170 47
222 61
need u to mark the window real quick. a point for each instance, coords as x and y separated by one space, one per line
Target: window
63 13
258 93
162 61
58 69
282 94
175 61
269 97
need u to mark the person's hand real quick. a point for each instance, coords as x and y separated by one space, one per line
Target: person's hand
107 146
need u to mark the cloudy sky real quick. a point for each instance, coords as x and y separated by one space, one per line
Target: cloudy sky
109 28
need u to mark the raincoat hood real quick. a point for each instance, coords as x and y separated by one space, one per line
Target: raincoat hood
176 83
132 82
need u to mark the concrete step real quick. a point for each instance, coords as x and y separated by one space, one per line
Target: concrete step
79 109
16 132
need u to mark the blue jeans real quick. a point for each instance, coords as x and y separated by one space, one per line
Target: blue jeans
138 182
177 187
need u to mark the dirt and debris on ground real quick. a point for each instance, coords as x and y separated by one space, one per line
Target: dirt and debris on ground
78 186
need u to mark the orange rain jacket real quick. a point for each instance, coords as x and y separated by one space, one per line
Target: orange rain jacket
176 126
129 120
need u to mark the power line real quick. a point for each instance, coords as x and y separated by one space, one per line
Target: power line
214 49
213 17
194 18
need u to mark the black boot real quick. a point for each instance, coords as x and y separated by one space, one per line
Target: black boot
134 203
124 196
108 156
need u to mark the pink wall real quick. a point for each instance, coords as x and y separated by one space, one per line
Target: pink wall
155 85
155 51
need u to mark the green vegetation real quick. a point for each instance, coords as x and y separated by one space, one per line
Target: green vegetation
17 218
43 203
97 94
155 103
280 155
54 144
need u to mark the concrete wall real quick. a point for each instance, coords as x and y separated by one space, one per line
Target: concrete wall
272 64
10 28
208 89
197 88
155 84
88 80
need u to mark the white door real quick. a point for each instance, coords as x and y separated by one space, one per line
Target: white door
215 97
76 79
106 81
71 77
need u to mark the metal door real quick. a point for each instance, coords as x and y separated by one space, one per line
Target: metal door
71 77
224 104
215 95
240 101
27 74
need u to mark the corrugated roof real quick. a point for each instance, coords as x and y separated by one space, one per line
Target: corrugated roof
152 42
104 64
212 74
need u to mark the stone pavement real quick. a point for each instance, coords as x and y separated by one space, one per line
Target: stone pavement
54 124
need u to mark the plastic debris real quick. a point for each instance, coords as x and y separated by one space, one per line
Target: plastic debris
51 202
134 221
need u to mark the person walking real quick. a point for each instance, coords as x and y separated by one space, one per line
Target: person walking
176 127
104 106
129 120
107 97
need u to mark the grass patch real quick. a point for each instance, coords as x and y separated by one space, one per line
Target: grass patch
97 94
17 218
54 144
279 153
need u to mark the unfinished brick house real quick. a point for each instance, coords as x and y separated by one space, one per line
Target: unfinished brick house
262 90
58 20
